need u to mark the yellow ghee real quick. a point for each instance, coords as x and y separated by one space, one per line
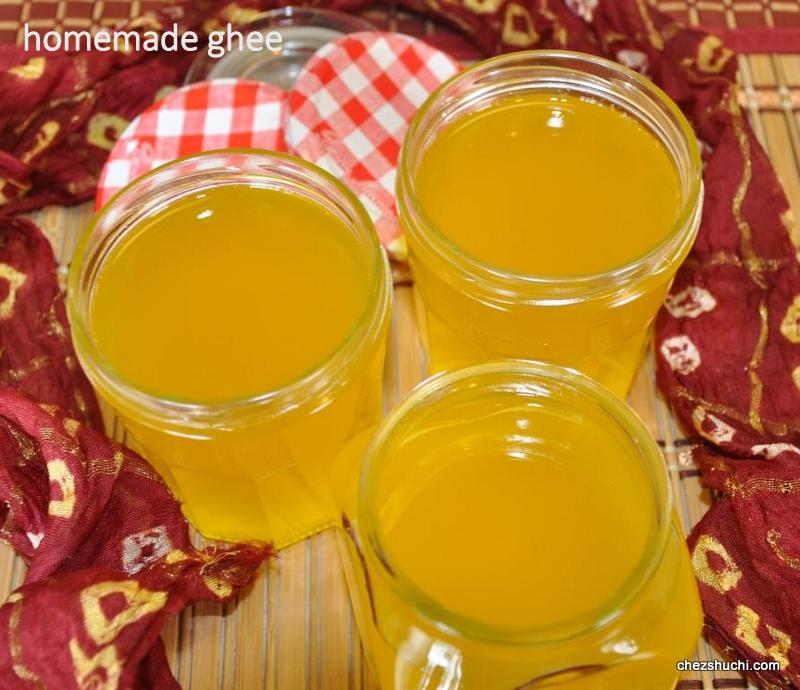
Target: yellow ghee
223 295
524 522
227 293
552 506
550 184
545 224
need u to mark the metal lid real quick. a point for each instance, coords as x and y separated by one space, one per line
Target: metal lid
220 114
350 108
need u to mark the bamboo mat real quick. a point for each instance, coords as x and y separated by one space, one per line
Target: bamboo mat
293 629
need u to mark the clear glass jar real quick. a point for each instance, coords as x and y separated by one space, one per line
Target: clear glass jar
630 637
303 30
470 311
257 467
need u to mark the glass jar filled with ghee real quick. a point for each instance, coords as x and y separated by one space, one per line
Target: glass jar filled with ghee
513 528
548 199
232 308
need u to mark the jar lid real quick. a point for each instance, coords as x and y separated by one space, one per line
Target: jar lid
351 106
303 31
220 114
348 112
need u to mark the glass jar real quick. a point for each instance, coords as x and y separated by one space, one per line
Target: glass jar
303 31
565 630
256 467
470 311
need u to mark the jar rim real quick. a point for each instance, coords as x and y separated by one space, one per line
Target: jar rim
678 240
540 373
297 391
352 22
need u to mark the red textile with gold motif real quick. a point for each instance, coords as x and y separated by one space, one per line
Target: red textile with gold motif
60 114
728 341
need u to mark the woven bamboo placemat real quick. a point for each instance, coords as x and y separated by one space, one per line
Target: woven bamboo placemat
293 630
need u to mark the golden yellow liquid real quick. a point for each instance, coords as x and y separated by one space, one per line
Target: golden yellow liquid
552 185
517 508
516 518
231 292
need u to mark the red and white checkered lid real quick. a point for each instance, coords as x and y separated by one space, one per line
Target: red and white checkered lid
225 113
351 106
348 112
